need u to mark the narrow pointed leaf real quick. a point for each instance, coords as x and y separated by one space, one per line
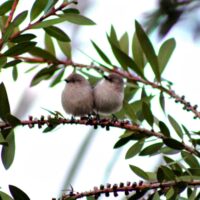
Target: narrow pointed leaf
139 172
164 129
65 48
23 38
5 7
77 19
190 159
165 53
137 52
168 173
58 78
50 5
147 113
57 33
14 73
101 53
17 193
8 152
151 149
12 63
37 8
148 50
4 196
20 18
19 49
124 60
134 149
174 144
49 46
176 126
71 10
162 101
37 51
4 103
124 43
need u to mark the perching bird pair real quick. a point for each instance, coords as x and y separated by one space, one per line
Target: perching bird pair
79 98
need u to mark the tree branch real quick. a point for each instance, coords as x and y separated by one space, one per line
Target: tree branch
105 122
14 6
51 12
129 187
129 76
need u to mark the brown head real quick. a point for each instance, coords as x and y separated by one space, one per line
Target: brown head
75 78
115 78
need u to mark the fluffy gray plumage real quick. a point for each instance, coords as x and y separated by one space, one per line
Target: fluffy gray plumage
77 96
109 94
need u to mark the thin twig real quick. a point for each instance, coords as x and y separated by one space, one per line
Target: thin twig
10 17
127 125
129 187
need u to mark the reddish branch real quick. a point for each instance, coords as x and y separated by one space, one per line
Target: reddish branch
10 17
51 122
129 187
52 12
129 76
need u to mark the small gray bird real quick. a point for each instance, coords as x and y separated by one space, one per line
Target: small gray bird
77 96
109 94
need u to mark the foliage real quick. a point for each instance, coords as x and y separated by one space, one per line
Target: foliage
147 135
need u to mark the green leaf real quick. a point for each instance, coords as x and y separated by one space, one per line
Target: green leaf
4 103
170 193
162 101
77 19
57 33
23 38
14 73
156 196
168 173
164 129
190 159
17 193
160 175
43 74
19 49
176 126
147 113
37 51
49 46
37 8
138 171
174 144
148 50
124 60
12 63
138 54
65 48
50 5
3 61
165 53
124 43
151 149
8 32
58 78
20 18
8 152
129 111
47 23
134 149
101 53
113 37
173 164
5 7
71 10
12 120
4 196
121 142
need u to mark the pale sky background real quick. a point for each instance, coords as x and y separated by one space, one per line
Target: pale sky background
43 160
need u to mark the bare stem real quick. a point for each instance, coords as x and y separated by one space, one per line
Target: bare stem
129 187
127 125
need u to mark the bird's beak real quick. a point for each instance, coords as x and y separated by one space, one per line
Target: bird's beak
106 77
66 81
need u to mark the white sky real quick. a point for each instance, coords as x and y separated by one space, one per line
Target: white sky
43 160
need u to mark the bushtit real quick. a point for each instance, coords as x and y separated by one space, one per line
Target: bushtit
109 94
77 96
